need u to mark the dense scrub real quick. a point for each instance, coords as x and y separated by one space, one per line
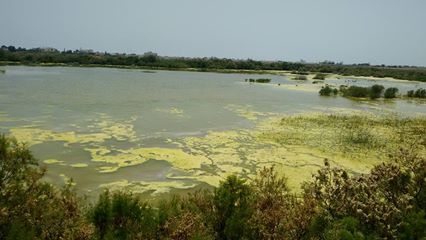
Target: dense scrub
419 93
327 91
388 202
151 60
391 92
373 92
31 208
320 76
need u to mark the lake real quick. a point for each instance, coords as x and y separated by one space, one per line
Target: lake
157 132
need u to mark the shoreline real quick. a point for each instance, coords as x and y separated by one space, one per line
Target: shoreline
287 73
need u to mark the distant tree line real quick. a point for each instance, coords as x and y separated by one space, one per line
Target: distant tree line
13 55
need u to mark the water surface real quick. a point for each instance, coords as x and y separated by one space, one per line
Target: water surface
117 127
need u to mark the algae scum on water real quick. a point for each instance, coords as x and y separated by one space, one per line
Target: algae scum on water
296 145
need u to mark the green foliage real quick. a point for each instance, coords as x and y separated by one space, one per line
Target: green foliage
359 135
327 91
419 93
187 218
100 215
391 92
385 199
372 92
355 91
231 201
347 228
277 213
320 76
123 216
376 91
30 208
414 225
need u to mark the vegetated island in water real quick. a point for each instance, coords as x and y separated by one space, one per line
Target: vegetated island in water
258 80
10 55
374 92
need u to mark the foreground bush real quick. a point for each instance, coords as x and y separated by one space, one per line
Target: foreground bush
123 216
31 208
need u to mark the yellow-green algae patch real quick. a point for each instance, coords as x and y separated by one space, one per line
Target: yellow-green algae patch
79 165
52 161
355 136
144 186
176 157
121 131
201 176
297 146
102 131
107 169
246 112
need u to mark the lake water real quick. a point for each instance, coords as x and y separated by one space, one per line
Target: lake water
117 127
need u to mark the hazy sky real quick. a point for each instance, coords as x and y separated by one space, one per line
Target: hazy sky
352 31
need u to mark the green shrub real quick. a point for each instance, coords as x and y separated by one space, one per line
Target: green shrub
320 76
355 91
414 226
31 208
188 217
123 216
101 215
420 93
391 92
232 204
327 91
376 91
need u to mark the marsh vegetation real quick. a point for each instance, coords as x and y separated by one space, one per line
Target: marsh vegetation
419 93
374 92
320 76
